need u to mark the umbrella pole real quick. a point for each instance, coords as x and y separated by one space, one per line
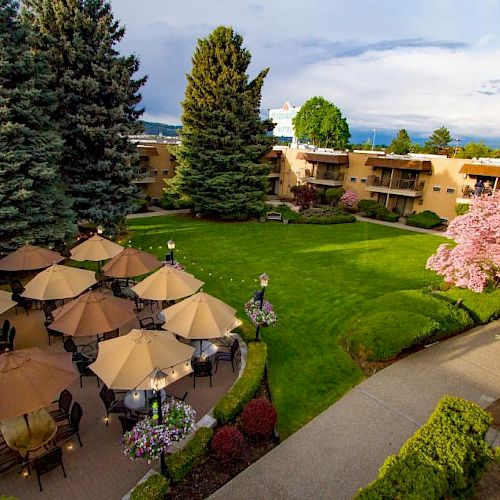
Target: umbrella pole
25 415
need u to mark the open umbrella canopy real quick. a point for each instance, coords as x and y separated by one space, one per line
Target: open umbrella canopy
59 282
200 316
131 262
6 301
92 313
28 258
31 379
127 362
95 249
167 283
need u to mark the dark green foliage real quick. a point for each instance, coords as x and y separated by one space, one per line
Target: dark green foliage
154 488
385 326
476 150
443 459
333 195
33 208
482 307
231 405
374 210
181 463
426 219
341 218
322 123
97 98
223 137
401 144
439 141
462 208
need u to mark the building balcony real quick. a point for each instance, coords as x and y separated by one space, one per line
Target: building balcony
325 178
403 187
144 178
275 171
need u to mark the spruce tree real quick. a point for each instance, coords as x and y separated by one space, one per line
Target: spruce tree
223 137
33 207
401 144
439 141
97 98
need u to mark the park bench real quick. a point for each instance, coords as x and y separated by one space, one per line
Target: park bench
274 216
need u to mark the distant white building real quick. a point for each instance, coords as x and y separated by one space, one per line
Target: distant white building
282 117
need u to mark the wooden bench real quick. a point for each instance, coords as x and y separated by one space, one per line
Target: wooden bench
274 216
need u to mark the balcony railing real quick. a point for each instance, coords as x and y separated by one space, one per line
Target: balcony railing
144 178
275 169
409 184
322 175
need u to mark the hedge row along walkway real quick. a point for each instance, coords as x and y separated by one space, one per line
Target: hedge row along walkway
400 225
342 449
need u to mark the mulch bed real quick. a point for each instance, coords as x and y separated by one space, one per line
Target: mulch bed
210 475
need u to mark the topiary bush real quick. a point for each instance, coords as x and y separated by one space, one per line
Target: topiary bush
228 444
374 210
462 208
443 459
426 220
181 463
333 195
154 488
231 405
258 419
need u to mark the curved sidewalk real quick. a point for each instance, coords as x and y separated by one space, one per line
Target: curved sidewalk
342 449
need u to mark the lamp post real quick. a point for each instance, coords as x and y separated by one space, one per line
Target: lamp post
264 281
171 247
159 382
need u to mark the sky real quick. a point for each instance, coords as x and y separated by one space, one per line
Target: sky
389 64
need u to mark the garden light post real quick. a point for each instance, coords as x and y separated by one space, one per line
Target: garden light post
264 281
171 247
159 382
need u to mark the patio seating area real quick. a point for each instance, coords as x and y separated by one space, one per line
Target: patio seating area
73 447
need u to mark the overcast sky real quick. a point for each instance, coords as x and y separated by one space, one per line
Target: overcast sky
389 64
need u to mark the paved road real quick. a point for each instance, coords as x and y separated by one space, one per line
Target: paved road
342 449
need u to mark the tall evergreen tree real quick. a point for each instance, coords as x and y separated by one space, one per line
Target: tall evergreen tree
401 144
33 207
439 141
223 137
97 98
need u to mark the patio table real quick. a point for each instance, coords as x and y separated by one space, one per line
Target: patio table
203 348
17 435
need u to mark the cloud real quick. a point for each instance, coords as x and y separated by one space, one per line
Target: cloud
490 87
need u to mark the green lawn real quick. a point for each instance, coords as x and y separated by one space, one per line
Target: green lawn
319 276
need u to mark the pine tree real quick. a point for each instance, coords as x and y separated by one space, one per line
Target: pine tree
439 141
97 98
33 207
401 144
223 137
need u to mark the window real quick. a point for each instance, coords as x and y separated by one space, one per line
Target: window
450 190
436 188
363 180
155 172
353 179
164 172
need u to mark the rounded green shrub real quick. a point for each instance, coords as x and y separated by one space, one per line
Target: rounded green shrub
154 488
426 220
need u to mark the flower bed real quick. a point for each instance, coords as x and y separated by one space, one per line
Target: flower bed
260 316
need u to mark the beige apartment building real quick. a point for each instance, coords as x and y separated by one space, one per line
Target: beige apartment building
404 184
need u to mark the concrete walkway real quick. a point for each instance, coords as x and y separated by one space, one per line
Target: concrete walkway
158 211
399 225
342 449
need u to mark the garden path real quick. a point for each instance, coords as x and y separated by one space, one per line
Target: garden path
342 449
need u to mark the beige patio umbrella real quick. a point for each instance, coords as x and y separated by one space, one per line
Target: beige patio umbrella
59 282
31 379
131 262
6 301
167 283
28 258
92 313
96 248
200 316
127 362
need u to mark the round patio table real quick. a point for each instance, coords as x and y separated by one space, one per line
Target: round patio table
18 436
203 348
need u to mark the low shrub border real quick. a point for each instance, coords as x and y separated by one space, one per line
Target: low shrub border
181 463
444 458
231 405
154 488
425 220
331 219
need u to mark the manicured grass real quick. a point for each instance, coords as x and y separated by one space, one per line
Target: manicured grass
319 277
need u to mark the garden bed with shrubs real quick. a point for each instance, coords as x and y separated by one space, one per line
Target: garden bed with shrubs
374 210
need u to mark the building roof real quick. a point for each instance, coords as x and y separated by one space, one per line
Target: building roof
400 162
490 170
147 150
336 158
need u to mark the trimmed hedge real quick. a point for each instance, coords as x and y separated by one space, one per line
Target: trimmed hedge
426 220
388 324
154 488
231 405
374 210
181 463
443 459
482 307
330 219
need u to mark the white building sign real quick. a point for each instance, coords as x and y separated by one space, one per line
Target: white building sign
282 117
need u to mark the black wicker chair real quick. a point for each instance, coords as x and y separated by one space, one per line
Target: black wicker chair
227 355
111 404
202 369
47 462
64 405
72 428
128 423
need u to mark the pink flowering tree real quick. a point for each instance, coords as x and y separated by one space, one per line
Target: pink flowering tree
474 262
349 199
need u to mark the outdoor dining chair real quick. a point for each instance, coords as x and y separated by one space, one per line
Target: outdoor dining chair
51 333
64 405
8 342
5 329
227 355
128 423
111 404
202 369
47 462
9 459
72 428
